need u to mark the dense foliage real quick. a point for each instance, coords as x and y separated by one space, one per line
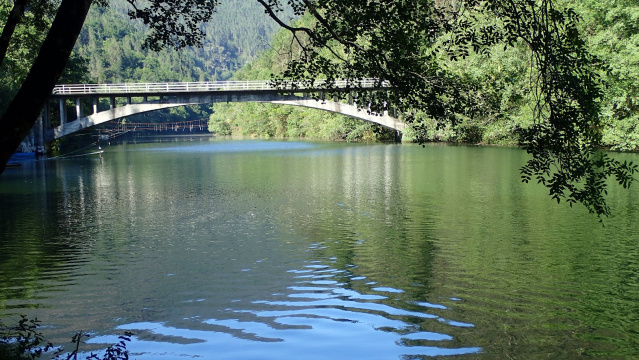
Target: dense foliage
612 33
269 120
115 46
502 82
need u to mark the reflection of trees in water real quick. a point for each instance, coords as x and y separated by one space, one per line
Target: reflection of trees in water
533 277
358 215
41 236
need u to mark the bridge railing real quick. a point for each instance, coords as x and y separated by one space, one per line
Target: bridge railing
206 86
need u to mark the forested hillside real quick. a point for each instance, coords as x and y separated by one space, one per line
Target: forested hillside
113 45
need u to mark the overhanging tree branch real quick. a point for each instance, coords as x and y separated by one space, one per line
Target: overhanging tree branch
294 30
10 26
25 107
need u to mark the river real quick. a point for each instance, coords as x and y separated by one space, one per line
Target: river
227 249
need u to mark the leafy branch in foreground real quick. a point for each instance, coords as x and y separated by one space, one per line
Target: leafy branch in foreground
24 342
173 23
116 351
565 138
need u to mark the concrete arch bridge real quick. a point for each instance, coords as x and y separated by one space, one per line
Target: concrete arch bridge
136 98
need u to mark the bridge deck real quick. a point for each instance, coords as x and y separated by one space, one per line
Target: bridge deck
150 89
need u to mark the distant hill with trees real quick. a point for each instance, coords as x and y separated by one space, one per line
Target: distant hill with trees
113 45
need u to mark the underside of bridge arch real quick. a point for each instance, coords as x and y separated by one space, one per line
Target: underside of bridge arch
195 99
347 110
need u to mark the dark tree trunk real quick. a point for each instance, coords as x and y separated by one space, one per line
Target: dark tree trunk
9 28
25 107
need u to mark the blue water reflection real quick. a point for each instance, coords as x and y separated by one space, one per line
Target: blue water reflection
312 319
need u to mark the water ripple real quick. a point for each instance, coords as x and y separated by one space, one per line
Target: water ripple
323 310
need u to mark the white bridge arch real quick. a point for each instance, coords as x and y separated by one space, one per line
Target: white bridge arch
170 95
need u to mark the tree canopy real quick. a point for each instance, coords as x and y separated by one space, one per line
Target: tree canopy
403 44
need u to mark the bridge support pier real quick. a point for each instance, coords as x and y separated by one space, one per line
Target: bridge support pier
46 117
398 136
78 108
38 131
63 111
35 140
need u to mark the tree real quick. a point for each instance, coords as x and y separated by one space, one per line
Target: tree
27 104
402 44
20 42
40 9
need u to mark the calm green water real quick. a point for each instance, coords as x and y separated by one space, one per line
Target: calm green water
287 250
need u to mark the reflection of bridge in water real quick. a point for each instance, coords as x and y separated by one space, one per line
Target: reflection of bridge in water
115 128
130 99
201 124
